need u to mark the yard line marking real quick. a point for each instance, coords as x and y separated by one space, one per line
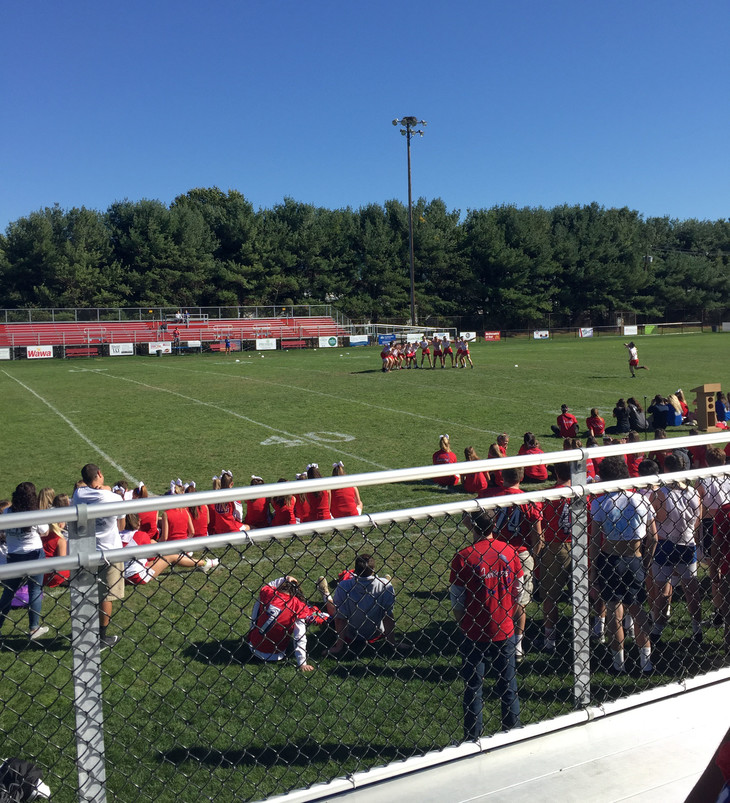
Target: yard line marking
451 424
309 441
73 426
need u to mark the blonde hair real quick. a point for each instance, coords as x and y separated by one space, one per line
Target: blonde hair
674 402
444 443
45 498
470 453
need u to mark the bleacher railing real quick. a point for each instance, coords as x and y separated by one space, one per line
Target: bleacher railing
179 708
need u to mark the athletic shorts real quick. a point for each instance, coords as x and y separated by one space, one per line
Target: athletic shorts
140 578
111 582
555 565
621 579
426 351
634 363
667 573
526 583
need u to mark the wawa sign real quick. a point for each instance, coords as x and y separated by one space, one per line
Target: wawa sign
39 352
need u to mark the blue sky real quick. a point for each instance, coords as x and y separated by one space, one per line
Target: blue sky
528 102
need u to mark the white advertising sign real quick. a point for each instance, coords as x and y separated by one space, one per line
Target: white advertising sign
469 335
586 331
266 344
194 344
541 334
631 330
165 347
39 352
441 334
726 326
4 354
327 342
358 340
118 349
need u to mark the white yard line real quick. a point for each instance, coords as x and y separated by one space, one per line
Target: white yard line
350 401
311 441
73 426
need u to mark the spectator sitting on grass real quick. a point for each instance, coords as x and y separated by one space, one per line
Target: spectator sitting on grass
567 426
279 621
364 608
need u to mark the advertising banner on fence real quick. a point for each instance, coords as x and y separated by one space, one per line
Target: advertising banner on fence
164 346
194 344
39 352
631 330
585 331
469 336
540 334
383 339
119 349
266 344
327 342
492 336
359 340
726 326
4 354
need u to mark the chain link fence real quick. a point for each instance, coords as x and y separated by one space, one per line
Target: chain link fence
181 707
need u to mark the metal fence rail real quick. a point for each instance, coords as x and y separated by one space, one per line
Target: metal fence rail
180 709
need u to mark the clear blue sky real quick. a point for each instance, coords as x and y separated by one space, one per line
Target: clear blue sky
528 102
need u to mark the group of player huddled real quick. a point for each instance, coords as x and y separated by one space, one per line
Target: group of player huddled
434 351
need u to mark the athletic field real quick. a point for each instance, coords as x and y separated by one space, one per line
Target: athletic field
188 716
156 419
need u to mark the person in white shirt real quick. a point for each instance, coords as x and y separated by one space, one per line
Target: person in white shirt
24 543
111 576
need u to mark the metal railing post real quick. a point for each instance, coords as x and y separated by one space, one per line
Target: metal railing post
88 709
581 589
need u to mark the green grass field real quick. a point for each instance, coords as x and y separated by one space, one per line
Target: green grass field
156 419
187 715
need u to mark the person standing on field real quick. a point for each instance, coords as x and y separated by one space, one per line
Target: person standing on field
484 586
634 358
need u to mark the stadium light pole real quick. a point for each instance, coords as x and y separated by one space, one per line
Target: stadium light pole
409 124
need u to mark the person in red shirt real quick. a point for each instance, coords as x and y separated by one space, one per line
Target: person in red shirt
698 454
344 501
444 457
228 516
536 473
148 519
521 527
484 586
199 514
595 424
633 460
494 478
503 443
567 424
475 483
257 510
280 616
555 558
284 508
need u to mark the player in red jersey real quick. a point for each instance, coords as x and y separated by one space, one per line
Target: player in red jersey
530 446
280 617
484 586
595 424
521 527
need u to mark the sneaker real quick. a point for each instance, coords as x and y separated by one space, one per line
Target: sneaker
647 669
107 641
210 564
38 632
519 655
323 586
598 636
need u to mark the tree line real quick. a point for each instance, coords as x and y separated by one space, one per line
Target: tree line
510 266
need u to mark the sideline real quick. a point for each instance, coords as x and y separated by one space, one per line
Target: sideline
73 426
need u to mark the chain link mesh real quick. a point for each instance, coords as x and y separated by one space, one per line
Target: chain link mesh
190 714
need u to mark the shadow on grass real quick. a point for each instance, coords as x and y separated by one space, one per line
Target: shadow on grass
301 753
230 651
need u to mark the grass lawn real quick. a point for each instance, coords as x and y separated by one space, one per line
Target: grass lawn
188 715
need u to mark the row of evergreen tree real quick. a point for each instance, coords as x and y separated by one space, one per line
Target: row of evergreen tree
513 266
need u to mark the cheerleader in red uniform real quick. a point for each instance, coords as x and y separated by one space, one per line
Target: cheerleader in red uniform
284 509
319 501
538 473
301 505
228 516
177 524
477 482
444 456
148 519
344 501
257 510
200 514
